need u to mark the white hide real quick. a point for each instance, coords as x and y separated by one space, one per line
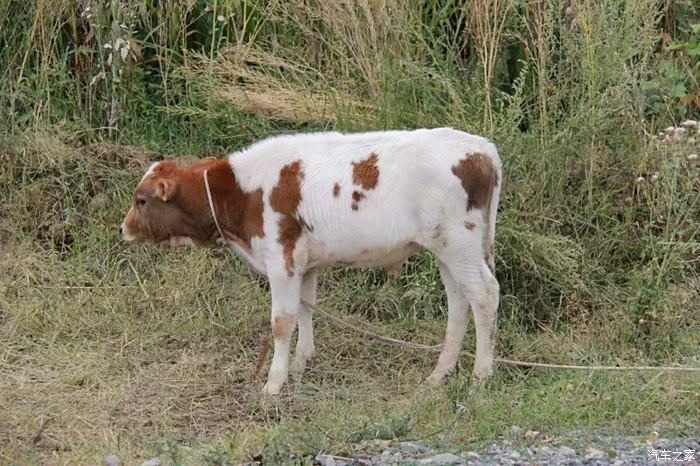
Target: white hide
416 191
417 203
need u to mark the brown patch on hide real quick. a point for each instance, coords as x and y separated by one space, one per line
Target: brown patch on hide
365 173
253 221
336 190
285 199
282 326
479 178
357 196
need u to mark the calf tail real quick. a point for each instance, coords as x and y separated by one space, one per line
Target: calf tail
490 214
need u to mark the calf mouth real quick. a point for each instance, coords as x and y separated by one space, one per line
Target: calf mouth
125 235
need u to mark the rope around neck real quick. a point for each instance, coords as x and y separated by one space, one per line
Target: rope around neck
211 204
513 362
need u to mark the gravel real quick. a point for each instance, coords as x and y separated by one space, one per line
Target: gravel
519 449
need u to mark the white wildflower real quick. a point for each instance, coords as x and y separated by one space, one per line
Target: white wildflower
654 177
678 133
107 46
692 157
670 130
691 141
221 18
640 180
689 123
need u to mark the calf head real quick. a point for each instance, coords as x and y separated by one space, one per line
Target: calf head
169 206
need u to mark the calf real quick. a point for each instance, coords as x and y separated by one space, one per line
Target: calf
292 204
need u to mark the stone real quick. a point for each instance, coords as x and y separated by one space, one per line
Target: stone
152 462
565 451
325 460
412 447
443 459
594 453
112 460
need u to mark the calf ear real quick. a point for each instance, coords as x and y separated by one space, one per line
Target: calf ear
166 189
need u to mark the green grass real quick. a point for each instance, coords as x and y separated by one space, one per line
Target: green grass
114 348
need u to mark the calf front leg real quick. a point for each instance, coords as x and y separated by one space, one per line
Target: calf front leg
286 297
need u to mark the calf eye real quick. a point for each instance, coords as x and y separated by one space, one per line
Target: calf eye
140 202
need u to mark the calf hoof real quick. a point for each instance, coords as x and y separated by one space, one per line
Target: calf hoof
480 374
297 367
272 388
434 380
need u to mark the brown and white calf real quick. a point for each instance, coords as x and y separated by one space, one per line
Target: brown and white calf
291 204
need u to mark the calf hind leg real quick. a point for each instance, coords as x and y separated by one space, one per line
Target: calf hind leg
483 298
305 340
474 283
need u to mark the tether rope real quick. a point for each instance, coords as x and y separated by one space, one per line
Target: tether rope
514 362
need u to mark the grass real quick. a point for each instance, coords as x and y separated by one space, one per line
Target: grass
107 348
119 354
